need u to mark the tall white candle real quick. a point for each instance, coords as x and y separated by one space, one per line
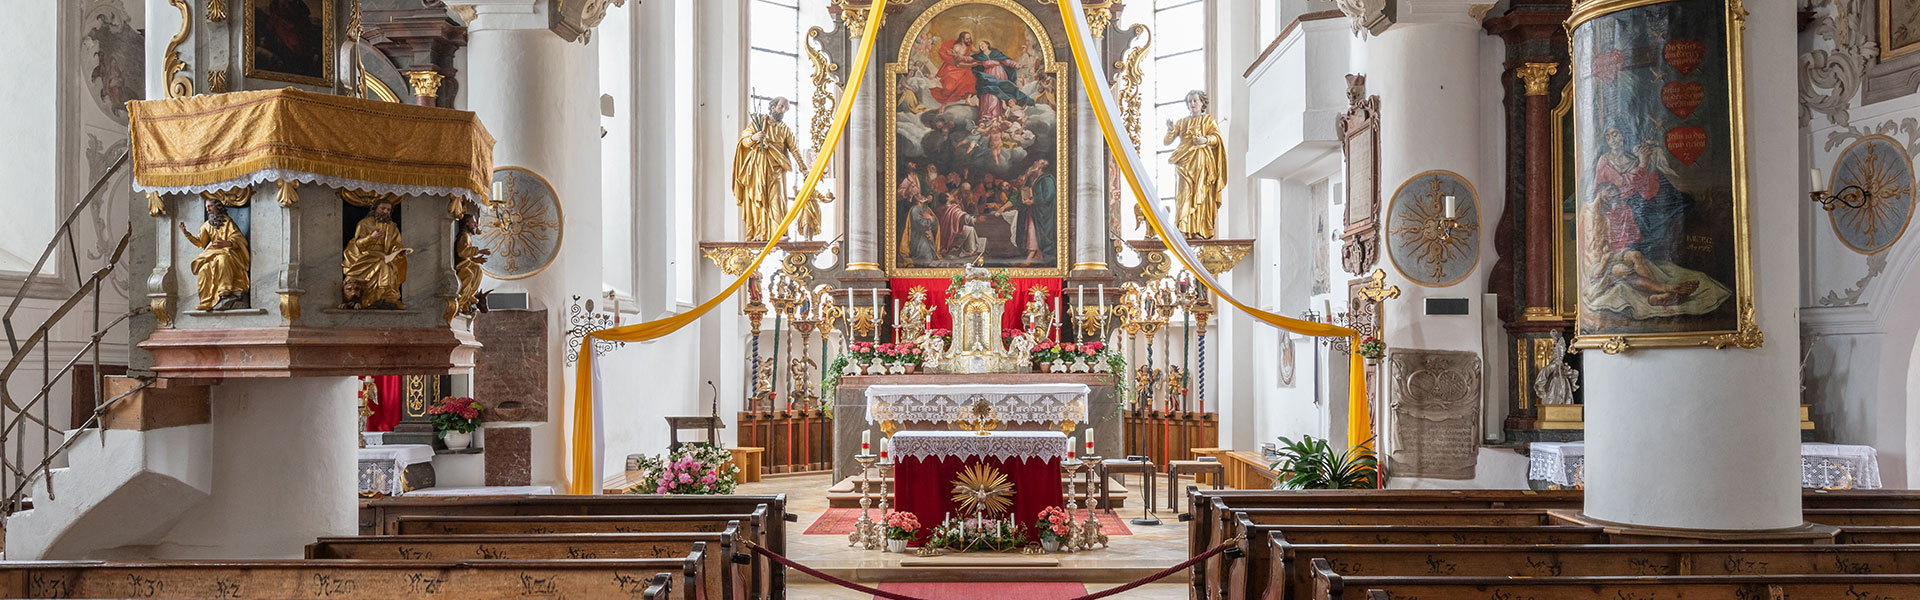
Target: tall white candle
885 445
866 437
1103 297
1089 439
1070 440
1079 296
1452 207
896 312
1819 183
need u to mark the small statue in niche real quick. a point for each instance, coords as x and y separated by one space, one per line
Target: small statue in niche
915 313
223 266
467 259
1037 316
1558 380
1022 347
1200 162
375 257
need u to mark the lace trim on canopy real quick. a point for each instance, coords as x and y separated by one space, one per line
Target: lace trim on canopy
275 175
1047 445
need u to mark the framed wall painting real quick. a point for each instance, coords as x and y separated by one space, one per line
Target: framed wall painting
1899 22
1663 241
1882 172
1565 270
290 40
976 152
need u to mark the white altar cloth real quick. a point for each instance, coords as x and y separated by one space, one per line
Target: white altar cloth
1822 466
1012 403
1004 445
383 468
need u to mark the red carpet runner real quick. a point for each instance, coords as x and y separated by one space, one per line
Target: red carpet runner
840 521
1032 590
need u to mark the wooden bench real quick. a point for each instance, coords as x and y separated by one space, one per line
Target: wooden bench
357 579
1854 517
754 524
1329 585
1290 579
1257 549
731 581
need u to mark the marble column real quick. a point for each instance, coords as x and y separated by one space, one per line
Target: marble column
1542 208
1089 200
863 170
1697 438
533 78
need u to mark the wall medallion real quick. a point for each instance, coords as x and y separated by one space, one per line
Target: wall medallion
1878 165
1429 243
522 227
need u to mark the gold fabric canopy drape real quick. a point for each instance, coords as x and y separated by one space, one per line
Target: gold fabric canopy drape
224 141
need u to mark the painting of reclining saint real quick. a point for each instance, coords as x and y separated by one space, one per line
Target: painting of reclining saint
976 163
1662 248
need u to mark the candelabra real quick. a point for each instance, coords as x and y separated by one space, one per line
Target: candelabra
1091 532
866 532
1075 536
886 487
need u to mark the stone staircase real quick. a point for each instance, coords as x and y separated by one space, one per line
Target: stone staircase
122 488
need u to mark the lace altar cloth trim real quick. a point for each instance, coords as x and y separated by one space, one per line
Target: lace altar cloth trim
1003 445
1034 403
1822 466
264 176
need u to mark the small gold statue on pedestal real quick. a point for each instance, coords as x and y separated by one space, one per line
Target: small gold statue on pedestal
1201 163
761 159
222 268
375 258
466 267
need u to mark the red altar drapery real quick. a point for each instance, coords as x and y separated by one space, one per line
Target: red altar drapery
937 297
924 487
386 412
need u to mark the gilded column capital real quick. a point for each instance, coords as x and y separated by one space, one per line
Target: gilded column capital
1536 75
426 84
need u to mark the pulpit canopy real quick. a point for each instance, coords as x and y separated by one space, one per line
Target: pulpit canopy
220 142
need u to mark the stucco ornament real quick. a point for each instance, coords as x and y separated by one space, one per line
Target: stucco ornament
1368 15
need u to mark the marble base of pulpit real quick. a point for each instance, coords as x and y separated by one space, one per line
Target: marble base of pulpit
850 410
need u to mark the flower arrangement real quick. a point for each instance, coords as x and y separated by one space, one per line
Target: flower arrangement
701 469
1054 524
1372 348
906 353
977 534
455 414
945 335
1045 352
901 525
1002 284
861 351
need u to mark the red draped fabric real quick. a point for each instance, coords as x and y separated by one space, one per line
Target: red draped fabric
924 487
937 297
386 411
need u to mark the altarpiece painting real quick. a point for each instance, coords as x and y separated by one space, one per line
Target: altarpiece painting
976 150
1660 177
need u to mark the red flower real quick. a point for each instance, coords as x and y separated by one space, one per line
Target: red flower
1095 346
1067 346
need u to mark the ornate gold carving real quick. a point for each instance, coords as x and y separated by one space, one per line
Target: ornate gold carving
232 198
217 82
1376 290
426 84
1130 75
162 308
822 99
732 260
1220 258
1615 345
216 10
289 193
1748 336
156 207
289 305
1540 313
1535 76
862 321
178 85
983 489
798 265
1154 265
1089 266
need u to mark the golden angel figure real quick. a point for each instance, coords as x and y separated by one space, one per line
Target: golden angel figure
761 159
376 260
807 225
222 268
466 266
1201 163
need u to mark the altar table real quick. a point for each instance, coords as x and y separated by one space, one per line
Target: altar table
383 469
927 462
1822 466
1035 403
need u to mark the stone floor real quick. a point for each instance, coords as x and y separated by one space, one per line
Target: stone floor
1148 550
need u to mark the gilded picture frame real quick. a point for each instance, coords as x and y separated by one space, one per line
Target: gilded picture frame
1897 38
282 42
1056 73
1565 272
1696 173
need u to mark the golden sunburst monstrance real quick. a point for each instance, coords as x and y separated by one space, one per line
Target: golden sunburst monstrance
983 489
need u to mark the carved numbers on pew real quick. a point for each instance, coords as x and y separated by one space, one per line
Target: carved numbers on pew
1440 566
407 553
1739 564
486 551
51 587
632 584
223 588
1854 594
1643 566
422 583
325 585
1550 567
538 585
142 587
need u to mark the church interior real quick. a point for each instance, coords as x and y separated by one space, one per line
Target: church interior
940 299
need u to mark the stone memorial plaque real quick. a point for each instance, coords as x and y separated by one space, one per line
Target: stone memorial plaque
1434 414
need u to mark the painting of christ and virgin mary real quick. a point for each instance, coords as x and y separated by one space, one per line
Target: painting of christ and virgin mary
974 167
1661 244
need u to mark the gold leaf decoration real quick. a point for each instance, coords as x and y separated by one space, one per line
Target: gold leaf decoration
982 489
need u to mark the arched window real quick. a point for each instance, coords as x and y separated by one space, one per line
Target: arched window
1181 61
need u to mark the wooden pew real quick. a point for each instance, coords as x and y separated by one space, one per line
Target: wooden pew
382 515
754 525
1288 577
1855 517
1329 585
356 579
1254 542
730 580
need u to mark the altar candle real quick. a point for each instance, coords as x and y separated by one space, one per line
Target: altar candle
1079 296
1070 453
866 437
1089 440
1103 298
896 312
1819 183
1056 310
885 445
1452 207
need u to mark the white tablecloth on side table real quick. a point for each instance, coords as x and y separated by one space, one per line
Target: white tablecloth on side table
1822 466
1024 403
507 490
383 469
1004 445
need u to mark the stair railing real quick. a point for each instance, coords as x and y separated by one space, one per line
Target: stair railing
19 479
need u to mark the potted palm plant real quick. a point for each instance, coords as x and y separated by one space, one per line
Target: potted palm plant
1310 464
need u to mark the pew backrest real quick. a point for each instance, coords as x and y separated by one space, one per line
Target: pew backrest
729 580
1330 585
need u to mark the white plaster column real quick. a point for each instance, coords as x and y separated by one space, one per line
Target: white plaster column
538 94
1089 189
863 168
1707 439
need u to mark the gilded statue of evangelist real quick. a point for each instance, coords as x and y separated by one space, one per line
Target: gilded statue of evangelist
374 261
761 159
466 266
222 268
1200 161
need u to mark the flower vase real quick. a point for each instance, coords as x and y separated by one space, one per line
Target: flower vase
457 440
1057 366
1079 365
897 546
1050 544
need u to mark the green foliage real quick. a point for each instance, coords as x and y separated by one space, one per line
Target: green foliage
1309 464
830 380
1002 284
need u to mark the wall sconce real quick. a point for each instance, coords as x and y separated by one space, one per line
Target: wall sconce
1852 196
